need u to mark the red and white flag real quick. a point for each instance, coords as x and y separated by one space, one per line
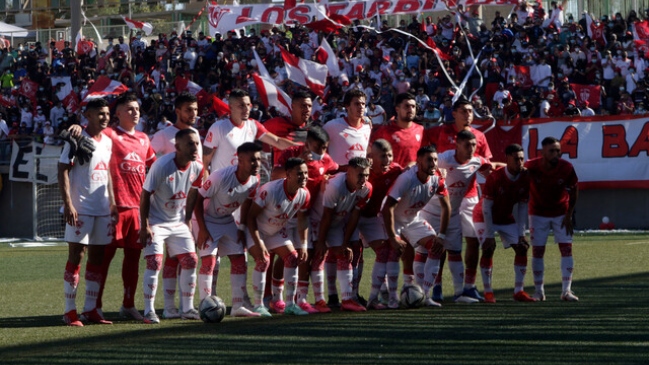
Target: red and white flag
326 55
134 24
7 101
590 93
205 99
641 30
307 73
104 86
642 47
271 95
595 32
83 46
523 76
71 102
28 88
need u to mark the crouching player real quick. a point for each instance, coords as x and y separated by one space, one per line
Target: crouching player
504 189
166 207
338 210
275 204
383 174
225 191
410 193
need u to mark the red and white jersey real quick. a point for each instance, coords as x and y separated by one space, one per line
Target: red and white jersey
549 189
381 183
284 127
224 138
279 206
443 137
224 194
169 186
413 195
459 179
89 182
164 141
345 141
317 168
405 141
132 153
505 193
336 195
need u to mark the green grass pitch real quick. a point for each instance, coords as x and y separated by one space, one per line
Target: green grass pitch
610 324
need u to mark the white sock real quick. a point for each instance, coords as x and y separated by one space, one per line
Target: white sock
567 264
205 277
378 278
345 277
486 270
290 275
520 269
418 268
330 270
538 270
302 291
93 284
317 280
187 287
456 267
392 269
70 284
431 268
277 288
215 274
238 278
150 284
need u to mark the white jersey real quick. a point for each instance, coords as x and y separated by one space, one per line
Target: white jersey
345 141
459 178
89 182
164 141
338 197
169 186
412 195
224 194
224 138
278 206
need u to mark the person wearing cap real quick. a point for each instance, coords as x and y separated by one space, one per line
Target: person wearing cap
431 114
572 110
421 98
586 110
501 94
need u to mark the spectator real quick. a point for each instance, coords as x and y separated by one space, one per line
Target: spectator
586 110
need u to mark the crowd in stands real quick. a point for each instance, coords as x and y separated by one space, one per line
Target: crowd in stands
554 46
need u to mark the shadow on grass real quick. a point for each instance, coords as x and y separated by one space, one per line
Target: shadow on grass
608 326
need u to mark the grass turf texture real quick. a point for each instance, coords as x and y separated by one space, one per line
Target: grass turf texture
608 326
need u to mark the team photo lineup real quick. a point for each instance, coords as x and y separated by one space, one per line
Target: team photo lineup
421 199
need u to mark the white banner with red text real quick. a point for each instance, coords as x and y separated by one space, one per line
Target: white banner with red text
224 18
608 152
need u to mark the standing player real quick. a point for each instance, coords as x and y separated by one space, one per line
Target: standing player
293 128
382 175
461 166
349 136
224 192
275 204
505 188
409 194
444 137
553 195
164 142
90 213
320 166
338 210
166 206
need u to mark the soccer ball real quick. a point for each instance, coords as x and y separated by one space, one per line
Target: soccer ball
212 309
412 296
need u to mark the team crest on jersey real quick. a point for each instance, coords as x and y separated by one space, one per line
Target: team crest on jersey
263 195
207 184
171 178
101 166
396 139
321 170
417 137
142 141
179 195
192 177
209 137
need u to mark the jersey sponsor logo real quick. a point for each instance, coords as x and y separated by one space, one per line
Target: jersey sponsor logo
175 205
101 166
179 195
133 163
99 176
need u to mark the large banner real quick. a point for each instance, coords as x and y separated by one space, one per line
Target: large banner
22 163
224 18
607 152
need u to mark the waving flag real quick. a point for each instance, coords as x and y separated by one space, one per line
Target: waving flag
641 30
326 55
595 32
590 93
104 86
523 76
83 46
271 95
205 99
134 24
307 73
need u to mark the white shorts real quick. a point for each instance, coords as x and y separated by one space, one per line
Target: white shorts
371 229
508 233
284 237
91 230
466 216
453 241
540 229
415 231
176 236
224 241
335 235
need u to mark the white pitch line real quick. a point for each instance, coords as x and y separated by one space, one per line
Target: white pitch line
637 243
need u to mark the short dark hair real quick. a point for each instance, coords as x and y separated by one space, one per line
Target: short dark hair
549 140
183 98
300 95
431 148
124 98
460 102
465 135
249 147
403 96
237 94
382 144
96 104
184 132
317 134
513 148
351 94
361 162
293 162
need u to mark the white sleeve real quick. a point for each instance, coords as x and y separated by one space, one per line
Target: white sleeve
212 137
64 155
487 206
521 218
